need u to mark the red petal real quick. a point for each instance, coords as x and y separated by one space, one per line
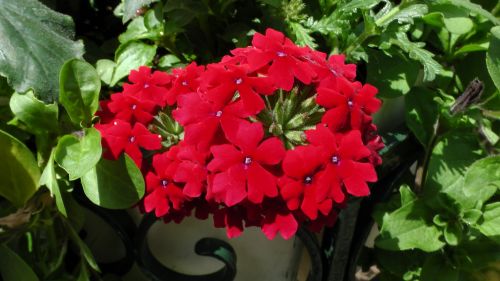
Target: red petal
356 186
330 98
270 152
281 72
352 147
248 136
225 156
260 183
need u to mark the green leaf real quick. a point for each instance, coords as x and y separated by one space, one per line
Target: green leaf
482 179
403 14
36 115
358 4
302 36
422 113
491 221
130 56
393 75
137 29
36 43
450 158
105 69
453 233
472 7
84 249
13 267
409 227
19 172
130 8
471 216
416 52
77 155
114 184
80 85
493 56
49 179
168 61
437 267
473 47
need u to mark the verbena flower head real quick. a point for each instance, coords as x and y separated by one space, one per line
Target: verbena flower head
274 135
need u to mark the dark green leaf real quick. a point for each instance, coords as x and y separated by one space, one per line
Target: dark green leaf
491 221
36 115
453 233
409 227
36 43
400 262
80 86
131 7
130 56
13 267
19 172
493 56
77 155
422 114
437 267
114 184
84 249
393 75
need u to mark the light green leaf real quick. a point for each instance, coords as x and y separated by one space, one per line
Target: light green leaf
393 75
168 61
482 179
36 43
473 47
437 267
36 115
19 172
130 56
472 7
458 25
450 158
302 37
422 113
105 69
403 14
80 85
491 221
416 52
49 179
130 8
114 184
493 56
471 216
13 267
409 227
453 233
137 29
78 154
358 4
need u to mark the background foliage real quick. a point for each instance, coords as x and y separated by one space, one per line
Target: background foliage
58 58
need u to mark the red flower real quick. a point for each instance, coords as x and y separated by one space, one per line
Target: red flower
120 136
223 81
148 86
283 222
162 192
202 119
186 81
299 185
191 169
344 156
240 171
132 109
105 115
349 101
275 48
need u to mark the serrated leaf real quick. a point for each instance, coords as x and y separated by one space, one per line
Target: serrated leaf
358 4
422 114
114 184
19 172
302 37
131 56
416 52
493 56
130 8
491 221
403 15
482 179
36 43
80 86
77 155
13 267
36 115
409 227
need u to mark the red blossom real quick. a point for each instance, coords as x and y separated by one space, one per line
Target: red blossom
275 48
347 104
119 136
191 169
147 86
186 81
240 167
132 109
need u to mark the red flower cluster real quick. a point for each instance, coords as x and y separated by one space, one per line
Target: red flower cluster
274 135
